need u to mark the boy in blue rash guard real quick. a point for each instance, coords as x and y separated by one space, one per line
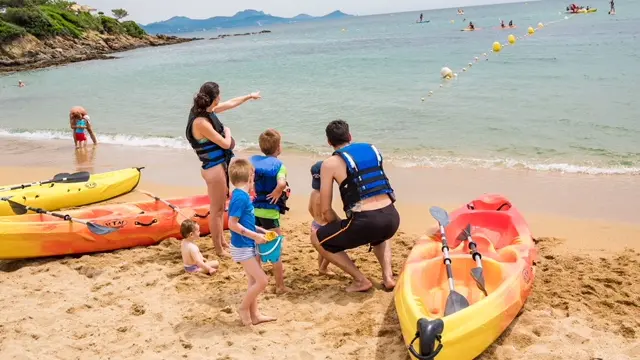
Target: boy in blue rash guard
270 184
244 237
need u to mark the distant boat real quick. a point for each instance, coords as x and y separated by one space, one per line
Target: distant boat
422 22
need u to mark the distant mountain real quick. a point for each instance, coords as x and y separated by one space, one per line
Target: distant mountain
182 24
302 17
335 15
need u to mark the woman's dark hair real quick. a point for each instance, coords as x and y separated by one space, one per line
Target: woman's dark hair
338 132
208 93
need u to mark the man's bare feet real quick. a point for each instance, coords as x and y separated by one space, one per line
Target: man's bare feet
259 318
389 284
282 290
360 285
245 317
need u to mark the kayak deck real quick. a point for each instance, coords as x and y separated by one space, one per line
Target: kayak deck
138 224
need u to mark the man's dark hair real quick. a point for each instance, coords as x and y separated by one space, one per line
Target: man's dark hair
338 132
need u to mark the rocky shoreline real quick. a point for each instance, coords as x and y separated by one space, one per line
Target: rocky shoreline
30 53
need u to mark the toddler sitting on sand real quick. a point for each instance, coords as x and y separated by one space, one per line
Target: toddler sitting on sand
191 255
316 212
244 237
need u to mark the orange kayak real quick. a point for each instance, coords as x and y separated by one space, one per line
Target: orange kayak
139 224
508 252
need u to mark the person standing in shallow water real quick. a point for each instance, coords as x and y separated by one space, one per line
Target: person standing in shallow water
213 144
368 201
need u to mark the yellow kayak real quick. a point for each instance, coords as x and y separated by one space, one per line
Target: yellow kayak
59 195
444 324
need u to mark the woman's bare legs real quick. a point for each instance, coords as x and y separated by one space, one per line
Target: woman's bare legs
217 190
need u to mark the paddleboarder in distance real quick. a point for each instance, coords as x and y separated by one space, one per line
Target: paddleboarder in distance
420 17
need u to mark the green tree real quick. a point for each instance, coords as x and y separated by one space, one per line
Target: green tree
119 13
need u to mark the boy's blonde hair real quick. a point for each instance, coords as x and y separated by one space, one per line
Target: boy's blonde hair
240 171
188 227
269 141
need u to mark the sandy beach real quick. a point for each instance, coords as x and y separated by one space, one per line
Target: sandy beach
139 303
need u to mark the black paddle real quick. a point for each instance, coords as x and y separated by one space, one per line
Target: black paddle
58 178
476 273
455 300
20 209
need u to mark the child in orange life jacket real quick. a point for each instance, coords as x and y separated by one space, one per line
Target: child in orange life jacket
271 192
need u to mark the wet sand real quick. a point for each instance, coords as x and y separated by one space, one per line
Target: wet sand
139 303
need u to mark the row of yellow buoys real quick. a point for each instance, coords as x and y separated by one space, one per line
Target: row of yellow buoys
447 74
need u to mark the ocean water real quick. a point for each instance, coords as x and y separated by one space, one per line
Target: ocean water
563 99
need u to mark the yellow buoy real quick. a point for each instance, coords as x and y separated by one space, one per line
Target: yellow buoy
530 30
497 46
512 39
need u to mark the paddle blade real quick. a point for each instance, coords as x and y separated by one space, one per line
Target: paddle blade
17 208
478 276
440 215
465 233
72 178
99 229
455 303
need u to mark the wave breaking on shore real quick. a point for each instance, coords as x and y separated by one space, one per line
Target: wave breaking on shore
401 158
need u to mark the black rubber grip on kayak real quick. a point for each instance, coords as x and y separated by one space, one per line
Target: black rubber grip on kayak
428 332
202 216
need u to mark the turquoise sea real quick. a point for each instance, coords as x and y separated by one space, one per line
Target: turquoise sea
563 99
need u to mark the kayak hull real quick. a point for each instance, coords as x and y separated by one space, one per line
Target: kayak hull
508 253
55 196
139 224
582 11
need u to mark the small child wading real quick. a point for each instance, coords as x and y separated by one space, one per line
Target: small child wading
191 255
244 237
270 187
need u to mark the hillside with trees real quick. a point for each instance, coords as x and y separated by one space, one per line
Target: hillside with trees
40 33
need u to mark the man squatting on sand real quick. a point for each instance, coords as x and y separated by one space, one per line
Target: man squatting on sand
368 202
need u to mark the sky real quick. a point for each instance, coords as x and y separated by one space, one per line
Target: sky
147 11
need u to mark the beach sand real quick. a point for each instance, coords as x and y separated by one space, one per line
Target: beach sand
139 303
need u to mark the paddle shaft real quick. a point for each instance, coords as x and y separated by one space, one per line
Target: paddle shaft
24 186
61 216
173 207
474 251
447 259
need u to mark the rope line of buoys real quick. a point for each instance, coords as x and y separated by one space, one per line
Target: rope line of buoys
447 74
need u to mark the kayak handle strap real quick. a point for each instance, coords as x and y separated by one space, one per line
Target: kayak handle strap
428 332
139 223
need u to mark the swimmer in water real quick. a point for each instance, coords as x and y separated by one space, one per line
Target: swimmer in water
510 23
502 24
471 26
20 83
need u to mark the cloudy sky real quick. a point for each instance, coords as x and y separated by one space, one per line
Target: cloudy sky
146 11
